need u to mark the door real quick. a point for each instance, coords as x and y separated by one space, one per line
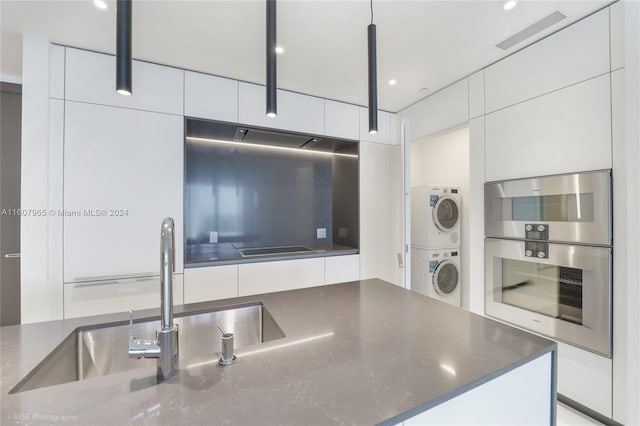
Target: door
10 137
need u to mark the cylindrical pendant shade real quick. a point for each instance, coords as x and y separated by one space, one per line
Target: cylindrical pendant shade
272 103
123 47
373 77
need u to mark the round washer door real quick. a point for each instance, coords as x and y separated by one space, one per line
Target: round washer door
446 214
445 278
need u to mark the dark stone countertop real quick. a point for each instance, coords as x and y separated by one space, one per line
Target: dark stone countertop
364 352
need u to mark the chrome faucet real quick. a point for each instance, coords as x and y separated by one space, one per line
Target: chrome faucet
165 345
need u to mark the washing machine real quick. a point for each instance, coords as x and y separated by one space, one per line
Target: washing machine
435 217
436 273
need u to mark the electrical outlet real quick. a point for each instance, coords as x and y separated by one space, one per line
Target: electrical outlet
213 237
321 233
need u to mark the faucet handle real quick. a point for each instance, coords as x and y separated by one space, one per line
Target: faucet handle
130 324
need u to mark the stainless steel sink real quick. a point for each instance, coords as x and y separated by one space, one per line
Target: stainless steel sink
98 351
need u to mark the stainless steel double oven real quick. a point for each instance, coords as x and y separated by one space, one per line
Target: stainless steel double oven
548 256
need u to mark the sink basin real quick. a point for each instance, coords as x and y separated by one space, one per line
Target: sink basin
100 350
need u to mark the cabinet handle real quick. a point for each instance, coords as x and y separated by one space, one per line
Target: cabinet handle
11 255
117 277
400 263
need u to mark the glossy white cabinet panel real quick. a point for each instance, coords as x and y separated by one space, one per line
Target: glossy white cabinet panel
210 283
475 207
339 269
518 397
384 127
300 113
90 77
123 174
375 211
616 16
565 131
443 110
341 120
56 71
96 298
574 54
476 94
208 96
585 377
267 277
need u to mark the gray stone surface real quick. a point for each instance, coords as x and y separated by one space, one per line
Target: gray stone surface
364 352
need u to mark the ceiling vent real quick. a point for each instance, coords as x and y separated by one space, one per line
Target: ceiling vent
531 30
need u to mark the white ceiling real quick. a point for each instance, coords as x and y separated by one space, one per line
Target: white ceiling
420 43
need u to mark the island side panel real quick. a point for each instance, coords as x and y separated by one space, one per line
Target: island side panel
525 395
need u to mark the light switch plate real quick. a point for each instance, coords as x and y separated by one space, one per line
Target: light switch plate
321 233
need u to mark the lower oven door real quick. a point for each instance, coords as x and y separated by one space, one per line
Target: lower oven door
559 290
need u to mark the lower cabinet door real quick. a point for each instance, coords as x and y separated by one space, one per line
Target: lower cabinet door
341 269
106 297
267 277
210 283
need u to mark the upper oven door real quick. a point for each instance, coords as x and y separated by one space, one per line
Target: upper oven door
560 290
563 208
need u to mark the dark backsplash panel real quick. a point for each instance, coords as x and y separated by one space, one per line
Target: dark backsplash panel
256 197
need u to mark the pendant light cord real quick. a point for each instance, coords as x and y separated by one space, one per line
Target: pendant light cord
372 12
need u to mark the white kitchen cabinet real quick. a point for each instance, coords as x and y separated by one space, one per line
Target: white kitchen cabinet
517 397
384 127
443 110
565 131
56 71
123 174
296 112
341 120
476 94
208 96
577 53
210 283
91 77
585 377
375 211
340 269
106 297
267 277
616 17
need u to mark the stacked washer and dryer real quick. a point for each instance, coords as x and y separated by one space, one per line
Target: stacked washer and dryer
435 242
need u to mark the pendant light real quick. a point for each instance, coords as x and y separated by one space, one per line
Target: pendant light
123 47
373 77
272 103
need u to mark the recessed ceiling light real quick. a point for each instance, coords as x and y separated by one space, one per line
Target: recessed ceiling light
510 4
279 50
100 4
392 82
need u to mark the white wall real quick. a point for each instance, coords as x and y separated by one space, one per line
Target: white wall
444 160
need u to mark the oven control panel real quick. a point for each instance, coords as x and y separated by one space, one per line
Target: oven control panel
536 249
536 231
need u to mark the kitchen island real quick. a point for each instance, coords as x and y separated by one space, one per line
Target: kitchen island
365 352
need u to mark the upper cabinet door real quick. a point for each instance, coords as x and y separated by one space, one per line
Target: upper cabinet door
341 120
574 54
384 127
123 174
443 110
91 77
300 113
566 131
208 96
